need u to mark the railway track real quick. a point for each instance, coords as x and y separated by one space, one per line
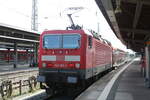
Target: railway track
62 97
17 82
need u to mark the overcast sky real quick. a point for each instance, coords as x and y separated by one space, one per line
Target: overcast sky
52 15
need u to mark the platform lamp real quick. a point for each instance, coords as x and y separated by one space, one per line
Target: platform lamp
147 54
128 45
118 7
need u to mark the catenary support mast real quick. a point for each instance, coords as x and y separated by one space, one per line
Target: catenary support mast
34 20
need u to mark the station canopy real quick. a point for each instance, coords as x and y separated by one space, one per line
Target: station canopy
129 19
9 35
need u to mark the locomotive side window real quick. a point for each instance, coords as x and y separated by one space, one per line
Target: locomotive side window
89 42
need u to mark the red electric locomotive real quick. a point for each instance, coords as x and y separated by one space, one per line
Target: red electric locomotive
71 57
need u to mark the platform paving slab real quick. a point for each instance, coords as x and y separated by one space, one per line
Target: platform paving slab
131 85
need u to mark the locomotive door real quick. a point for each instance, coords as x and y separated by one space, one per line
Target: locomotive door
90 55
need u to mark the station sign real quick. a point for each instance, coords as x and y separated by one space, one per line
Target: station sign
148 42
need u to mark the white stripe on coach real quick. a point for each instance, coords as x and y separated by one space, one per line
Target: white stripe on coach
48 58
72 58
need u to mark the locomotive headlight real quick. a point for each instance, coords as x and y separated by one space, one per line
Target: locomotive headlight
43 64
77 65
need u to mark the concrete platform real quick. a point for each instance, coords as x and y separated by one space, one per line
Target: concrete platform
131 85
126 83
7 68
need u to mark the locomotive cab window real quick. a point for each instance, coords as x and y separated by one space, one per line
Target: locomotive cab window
71 41
52 41
62 41
89 42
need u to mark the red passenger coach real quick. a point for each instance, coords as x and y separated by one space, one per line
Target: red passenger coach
119 57
71 57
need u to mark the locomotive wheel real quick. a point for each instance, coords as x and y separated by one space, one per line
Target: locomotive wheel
83 84
96 78
50 91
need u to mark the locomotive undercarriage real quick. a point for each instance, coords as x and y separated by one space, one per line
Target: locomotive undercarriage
58 80
54 80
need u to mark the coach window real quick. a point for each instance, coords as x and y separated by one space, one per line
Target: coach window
89 42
